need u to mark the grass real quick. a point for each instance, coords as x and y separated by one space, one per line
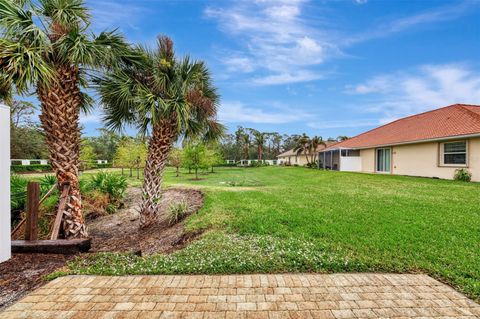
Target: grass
278 219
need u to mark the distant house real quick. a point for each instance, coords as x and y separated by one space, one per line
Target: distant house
291 157
430 144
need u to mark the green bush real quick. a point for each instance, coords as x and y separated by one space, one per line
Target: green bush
47 182
462 174
111 184
258 164
30 168
107 165
311 165
18 195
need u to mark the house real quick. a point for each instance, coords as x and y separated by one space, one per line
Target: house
291 157
431 144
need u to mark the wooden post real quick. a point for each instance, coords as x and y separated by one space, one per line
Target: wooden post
61 209
33 200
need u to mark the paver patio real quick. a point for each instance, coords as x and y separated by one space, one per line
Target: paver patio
246 296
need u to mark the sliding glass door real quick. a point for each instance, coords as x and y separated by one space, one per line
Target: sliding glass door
383 159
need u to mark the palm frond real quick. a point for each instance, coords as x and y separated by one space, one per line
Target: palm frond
6 94
65 14
17 23
23 65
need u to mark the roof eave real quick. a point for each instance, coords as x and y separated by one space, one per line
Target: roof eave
446 138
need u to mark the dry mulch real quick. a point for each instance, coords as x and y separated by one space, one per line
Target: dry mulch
121 232
118 232
25 272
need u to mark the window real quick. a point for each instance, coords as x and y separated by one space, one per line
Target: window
350 153
383 160
454 153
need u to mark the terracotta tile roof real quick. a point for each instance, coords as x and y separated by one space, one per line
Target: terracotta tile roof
449 121
319 148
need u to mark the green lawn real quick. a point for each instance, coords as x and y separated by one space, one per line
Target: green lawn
279 219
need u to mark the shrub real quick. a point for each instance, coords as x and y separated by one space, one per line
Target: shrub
30 168
462 174
311 165
257 164
177 211
107 165
18 195
47 182
111 184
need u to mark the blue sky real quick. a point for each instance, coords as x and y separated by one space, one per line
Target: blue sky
326 68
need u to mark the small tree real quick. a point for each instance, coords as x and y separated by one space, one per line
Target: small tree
214 156
87 155
195 157
175 159
131 154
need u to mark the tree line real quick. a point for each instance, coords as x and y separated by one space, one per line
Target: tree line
252 144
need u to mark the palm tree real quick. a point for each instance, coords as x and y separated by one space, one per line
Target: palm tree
47 46
259 142
246 145
315 142
173 99
303 145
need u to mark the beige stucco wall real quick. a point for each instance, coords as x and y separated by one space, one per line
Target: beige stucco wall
368 160
300 160
422 160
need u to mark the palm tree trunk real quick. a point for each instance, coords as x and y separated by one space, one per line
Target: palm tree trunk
61 103
159 147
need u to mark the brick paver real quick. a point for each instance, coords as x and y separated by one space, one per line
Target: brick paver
246 296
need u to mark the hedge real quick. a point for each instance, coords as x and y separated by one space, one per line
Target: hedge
107 165
30 168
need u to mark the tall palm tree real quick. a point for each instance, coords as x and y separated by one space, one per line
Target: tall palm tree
246 145
259 140
303 145
315 142
171 98
46 45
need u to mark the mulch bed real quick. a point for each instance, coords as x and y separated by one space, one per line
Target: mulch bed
25 272
118 232
121 232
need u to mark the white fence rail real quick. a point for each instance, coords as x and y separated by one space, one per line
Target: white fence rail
250 162
27 162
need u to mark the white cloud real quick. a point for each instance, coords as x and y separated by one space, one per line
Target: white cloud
237 112
274 35
286 78
92 117
439 14
239 64
377 84
110 14
427 87
279 41
343 123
